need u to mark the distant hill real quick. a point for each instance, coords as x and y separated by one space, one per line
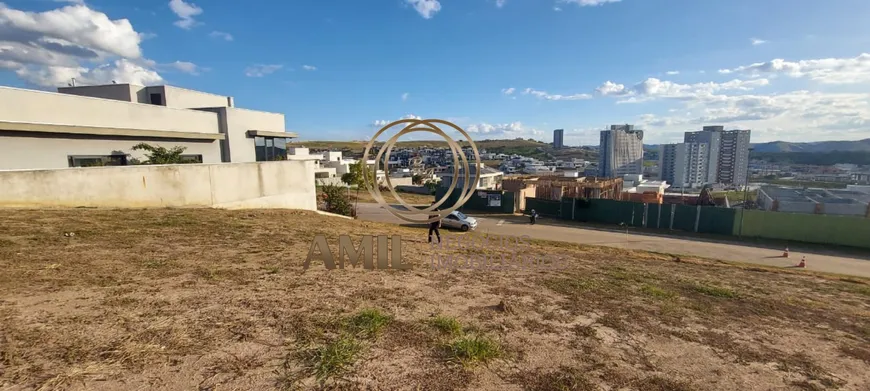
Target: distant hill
814 147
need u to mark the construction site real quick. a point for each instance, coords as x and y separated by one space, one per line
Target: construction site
554 188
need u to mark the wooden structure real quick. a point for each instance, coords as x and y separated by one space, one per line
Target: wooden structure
557 187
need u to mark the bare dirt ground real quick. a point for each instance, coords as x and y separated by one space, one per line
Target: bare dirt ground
207 299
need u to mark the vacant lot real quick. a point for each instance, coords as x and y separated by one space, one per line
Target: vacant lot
217 300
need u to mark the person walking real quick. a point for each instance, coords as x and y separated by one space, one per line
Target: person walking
533 215
433 227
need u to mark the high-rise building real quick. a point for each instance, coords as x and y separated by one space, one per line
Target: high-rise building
620 151
734 157
684 164
559 138
712 136
728 160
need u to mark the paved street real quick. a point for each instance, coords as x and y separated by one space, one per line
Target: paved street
553 229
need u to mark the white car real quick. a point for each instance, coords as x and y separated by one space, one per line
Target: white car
459 221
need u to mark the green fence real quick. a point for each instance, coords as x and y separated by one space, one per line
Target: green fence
544 207
481 200
824 229
810 228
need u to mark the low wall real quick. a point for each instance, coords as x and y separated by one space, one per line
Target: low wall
283 184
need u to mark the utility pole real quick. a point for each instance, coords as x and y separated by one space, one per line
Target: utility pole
745 194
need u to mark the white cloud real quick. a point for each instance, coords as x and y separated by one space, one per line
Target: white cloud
671 73
500 3
79 2
405 96
261 70
187 67
557 9
506 130
426 8
185 12
547 96
120 71
49 48
826 70
381 123
221 35
588 3
309 67
508 91
653 88
756 41
610 88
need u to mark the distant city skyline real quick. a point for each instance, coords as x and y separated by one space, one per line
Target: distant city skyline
790 70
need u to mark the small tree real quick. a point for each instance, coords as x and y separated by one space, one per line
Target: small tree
431 185
355 176
336 199
417 179
161 155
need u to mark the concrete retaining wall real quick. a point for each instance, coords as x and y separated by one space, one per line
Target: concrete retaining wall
284 184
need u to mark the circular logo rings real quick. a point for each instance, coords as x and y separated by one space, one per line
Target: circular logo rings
420 125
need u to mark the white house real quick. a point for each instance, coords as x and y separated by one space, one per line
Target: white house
99 125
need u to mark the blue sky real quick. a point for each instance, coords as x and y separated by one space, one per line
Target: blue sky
500 69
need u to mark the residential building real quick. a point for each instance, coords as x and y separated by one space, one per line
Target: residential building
620 151
490 178
685 164
733 157
559 138
99 125
728 157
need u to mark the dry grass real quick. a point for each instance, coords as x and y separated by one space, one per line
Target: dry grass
363 196
210 299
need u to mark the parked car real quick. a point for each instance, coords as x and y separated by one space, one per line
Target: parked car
459 221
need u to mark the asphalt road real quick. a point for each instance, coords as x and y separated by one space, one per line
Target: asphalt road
832 261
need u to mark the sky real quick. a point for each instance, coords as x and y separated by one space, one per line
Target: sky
791 70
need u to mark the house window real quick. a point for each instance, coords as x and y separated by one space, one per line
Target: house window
270 148
97 160
157 99
191 158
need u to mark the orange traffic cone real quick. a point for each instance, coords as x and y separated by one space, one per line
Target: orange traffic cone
785 254
803 263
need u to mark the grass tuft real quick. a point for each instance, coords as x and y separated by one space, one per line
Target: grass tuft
473 349
447 325
335 358
368 323
658 293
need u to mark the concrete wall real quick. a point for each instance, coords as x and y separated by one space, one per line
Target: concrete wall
181 98
286 184
39 152
239 122
121 92
40 107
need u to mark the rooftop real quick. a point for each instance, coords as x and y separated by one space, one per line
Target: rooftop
828 196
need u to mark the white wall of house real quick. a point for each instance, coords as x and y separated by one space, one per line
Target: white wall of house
18 153
30 106
239 122
181 98
285 184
